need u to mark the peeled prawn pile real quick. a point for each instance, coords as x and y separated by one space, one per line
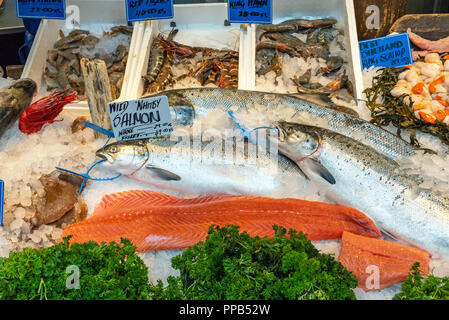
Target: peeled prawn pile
63 68
426 84
155 221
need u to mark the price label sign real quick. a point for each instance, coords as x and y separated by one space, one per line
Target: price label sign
141 118
43 9
139 10
391 51
250 11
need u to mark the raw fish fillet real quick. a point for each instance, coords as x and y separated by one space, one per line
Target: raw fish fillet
155 221
441 45
359 254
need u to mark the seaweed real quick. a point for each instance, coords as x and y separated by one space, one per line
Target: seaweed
397 111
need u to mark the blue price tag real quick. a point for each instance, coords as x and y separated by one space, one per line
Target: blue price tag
139 10
391 51
2 191
250 11
49 9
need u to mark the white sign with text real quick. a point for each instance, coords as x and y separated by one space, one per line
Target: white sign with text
141 118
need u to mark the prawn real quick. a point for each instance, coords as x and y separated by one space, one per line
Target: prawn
45 111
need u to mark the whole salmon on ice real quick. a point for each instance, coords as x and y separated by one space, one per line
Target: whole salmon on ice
201 167
188 105
359 176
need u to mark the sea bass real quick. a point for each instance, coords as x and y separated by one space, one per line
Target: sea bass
218 166
14 99
190 104
371 182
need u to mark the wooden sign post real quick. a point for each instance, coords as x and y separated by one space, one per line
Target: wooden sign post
375 17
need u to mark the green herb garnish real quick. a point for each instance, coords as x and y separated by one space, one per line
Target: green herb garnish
106 271
418 287
235 266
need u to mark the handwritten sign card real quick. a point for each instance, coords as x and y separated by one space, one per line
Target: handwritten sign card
391 51
250 11
139 10
141 118
45 9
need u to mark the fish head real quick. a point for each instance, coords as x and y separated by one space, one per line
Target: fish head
24 87
301 144
125 157
296 140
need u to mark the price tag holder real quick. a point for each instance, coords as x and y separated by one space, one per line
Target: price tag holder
141 118
391 51
41 9
140 10
2 198
250 11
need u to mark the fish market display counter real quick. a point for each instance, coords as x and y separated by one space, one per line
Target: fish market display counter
315 168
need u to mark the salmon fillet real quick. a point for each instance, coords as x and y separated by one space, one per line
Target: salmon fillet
362 255
155 221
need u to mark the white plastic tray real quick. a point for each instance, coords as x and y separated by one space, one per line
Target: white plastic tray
112 14
342 10
198 25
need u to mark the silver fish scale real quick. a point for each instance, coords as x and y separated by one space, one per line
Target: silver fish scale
220 176
204 100
164 145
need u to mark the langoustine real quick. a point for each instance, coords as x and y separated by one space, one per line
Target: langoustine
63 68
207 65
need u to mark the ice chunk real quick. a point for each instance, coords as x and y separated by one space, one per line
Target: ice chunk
16 224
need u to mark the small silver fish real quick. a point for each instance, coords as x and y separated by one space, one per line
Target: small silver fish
359 176
14 99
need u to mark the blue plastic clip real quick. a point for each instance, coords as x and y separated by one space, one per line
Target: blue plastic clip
246 133
93 126
87 176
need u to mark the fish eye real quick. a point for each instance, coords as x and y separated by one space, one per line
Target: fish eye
299 136
310 144
113 149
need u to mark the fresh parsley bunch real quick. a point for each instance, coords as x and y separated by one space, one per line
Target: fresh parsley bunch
417 287
234 266
106 271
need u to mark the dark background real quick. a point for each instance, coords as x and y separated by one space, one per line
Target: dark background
10 43
413 6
